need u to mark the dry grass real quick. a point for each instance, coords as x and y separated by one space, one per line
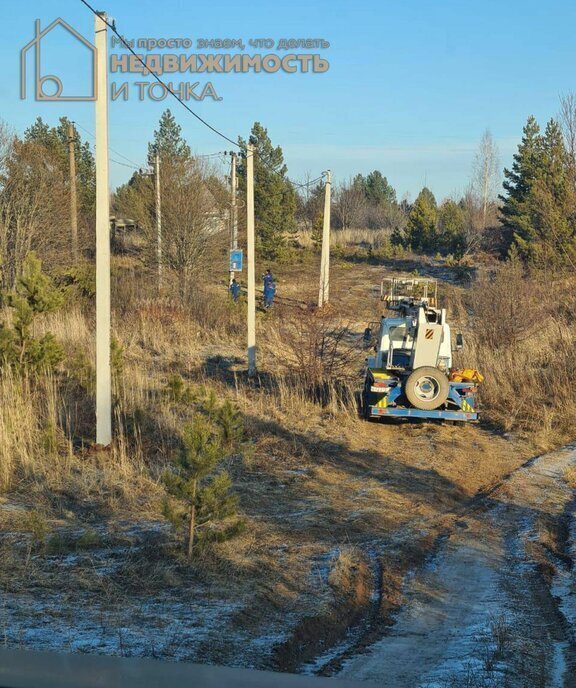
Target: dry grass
31 441
314 476
35 449
570 477
348 238
521 335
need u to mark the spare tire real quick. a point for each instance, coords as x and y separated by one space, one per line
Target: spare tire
426 388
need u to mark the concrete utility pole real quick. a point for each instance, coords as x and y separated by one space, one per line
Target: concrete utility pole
103 319
158 219
233 208
323 295
73 199
250 260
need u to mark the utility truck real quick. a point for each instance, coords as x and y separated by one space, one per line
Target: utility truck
410 374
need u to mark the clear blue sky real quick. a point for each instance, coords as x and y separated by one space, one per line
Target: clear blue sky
411 86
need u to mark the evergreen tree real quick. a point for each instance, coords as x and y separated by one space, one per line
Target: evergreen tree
359 183
274 196
34 294
206 505
168 141
378 190
539 210
518 184
318 230
451 226
421 232
55 139
553 206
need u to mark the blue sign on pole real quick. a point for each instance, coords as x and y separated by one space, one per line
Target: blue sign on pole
236 257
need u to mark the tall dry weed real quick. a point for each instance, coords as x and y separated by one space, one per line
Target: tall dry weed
521 334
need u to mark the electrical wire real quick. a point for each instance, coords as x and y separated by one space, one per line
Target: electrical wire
132 164
312 181
112 27
158 79
211 155
124 164
109 147
294 184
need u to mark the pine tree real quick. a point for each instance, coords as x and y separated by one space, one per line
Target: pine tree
421 234
451 224
518 184
34 294
231 425
318 230
540 207
205 504
274 196
378 190
313 203
359 183
55 139
168 141
553 205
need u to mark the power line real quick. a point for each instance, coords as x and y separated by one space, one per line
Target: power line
124 164
294 184
112 27
109 147
131 163
312 181
211 155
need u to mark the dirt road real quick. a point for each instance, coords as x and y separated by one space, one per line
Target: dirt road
496 604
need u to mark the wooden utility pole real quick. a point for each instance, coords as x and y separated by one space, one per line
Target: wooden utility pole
250 260
103 318
323 294
73 198
158 220
233 208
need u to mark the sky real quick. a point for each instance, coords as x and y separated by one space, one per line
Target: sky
410 90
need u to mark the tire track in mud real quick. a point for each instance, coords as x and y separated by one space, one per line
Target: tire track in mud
492 508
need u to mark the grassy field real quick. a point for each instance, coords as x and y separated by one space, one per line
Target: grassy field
335 507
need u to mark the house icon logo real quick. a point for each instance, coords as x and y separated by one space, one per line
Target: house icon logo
43 82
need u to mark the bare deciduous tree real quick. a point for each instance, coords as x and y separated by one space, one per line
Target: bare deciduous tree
567 119
193 225
349 205
485 176
316 347
33 206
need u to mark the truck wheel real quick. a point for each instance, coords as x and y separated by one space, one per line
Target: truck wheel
426 388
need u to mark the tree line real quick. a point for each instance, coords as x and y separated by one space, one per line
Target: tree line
534 214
